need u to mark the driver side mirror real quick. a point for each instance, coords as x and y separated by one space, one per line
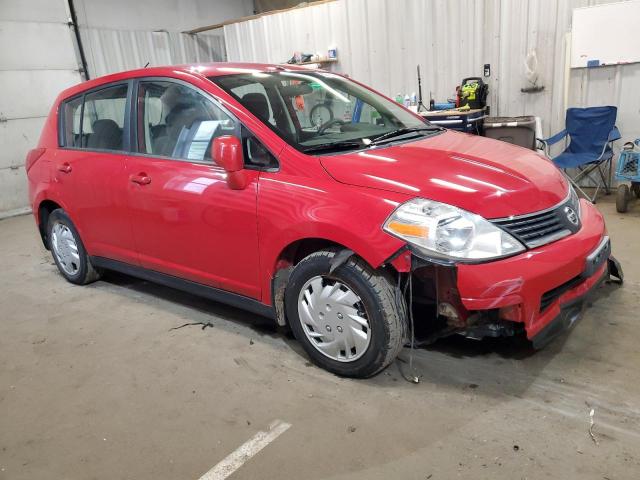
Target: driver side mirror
227 152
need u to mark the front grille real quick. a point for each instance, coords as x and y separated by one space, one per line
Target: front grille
552 295
539 228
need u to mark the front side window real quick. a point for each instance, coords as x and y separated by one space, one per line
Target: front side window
322 111
178 122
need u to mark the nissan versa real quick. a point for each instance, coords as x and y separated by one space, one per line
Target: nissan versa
308 197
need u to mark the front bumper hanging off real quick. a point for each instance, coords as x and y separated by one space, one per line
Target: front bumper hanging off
542 292
572 310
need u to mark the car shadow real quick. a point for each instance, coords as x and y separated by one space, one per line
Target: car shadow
497 366
215 313
454 362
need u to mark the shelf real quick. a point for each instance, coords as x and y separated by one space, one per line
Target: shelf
320 62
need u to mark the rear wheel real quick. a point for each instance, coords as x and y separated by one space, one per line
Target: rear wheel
622 198
635 187
348 320
68 251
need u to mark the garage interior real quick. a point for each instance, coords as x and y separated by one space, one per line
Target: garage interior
124 378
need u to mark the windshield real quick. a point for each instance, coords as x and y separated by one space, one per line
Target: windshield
321 111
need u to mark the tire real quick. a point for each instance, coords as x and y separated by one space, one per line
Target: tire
635 188
68 251
375 306
622 198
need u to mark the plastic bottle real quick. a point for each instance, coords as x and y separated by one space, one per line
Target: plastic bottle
399 98
414 99
407 100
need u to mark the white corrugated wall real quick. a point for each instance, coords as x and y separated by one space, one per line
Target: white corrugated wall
380 42
110 51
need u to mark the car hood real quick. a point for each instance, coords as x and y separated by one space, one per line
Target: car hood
491 178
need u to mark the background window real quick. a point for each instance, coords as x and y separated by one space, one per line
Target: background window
103 118
178 122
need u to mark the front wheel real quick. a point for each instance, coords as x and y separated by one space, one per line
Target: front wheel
348 321
67 250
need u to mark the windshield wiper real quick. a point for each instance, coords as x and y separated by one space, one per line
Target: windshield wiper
335 146
402 131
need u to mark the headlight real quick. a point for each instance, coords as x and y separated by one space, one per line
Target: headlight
446 231
574 199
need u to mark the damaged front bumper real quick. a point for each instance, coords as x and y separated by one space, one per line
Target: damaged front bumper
541 292
571 310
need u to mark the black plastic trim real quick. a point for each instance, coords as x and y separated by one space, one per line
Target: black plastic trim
73 22
570 313
211 293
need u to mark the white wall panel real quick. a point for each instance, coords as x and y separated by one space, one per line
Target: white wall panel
17 137
13 185
30 93
34 10
380 42
36 46
172 15
37 61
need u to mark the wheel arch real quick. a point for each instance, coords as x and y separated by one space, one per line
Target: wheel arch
45 207
290 255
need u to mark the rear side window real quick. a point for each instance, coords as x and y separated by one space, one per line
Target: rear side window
96 120
72 114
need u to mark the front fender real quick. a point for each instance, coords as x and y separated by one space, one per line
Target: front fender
293 208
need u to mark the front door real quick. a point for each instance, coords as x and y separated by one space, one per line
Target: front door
187 222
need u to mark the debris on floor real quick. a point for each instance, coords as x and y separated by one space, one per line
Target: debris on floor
591 424
204 325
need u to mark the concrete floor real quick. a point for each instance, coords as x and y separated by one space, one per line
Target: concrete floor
94 384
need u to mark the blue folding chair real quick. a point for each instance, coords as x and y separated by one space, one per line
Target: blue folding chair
592 132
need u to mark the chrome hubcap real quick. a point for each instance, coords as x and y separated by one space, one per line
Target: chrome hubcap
334 319
65 248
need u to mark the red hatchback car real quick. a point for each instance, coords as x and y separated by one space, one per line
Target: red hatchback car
308 197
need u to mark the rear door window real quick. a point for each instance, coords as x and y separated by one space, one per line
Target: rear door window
103 119
95 120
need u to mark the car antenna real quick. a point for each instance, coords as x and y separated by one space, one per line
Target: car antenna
420 104
146 65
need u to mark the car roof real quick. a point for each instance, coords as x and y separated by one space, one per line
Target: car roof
194 70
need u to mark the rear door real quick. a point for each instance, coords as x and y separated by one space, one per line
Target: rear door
187 222
91 171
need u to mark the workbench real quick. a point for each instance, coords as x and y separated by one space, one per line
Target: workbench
470 121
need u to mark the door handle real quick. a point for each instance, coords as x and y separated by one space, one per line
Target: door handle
64 168
140 179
